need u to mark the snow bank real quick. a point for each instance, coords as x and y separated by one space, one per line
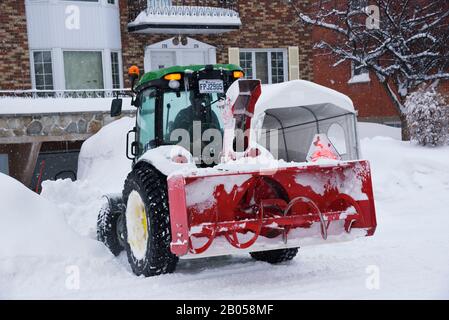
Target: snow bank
34 226
41 256
102 169
410 248
371 130
404 170
102 161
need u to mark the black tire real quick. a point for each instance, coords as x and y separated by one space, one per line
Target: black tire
152 188
275 256
108 230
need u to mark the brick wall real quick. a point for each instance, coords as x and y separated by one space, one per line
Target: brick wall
265 24
14 54
370 98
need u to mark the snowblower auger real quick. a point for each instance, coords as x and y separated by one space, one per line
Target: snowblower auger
223 165
259 211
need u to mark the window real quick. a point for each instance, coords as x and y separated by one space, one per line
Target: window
83 70
4 168
180 113
146 119
246 62
277 67
159 3
359 74
336 135
357 69
358 4
115 70
43 70
270 66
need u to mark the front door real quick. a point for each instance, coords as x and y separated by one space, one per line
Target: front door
166 54
162 59
190 57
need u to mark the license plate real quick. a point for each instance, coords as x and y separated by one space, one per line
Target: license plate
211 86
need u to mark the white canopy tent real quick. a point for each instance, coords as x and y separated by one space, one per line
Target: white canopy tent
288 116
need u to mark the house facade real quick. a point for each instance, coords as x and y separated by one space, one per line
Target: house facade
69 57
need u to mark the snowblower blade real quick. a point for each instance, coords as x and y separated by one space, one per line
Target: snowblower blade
290 207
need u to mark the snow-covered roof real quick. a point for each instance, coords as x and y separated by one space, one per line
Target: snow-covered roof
185 20
301 93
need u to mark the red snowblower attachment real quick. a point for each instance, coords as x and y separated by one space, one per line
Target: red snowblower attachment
289 208
238 208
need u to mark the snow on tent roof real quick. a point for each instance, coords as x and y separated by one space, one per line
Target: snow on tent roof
301 93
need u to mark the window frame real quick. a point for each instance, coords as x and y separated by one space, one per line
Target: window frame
269 52
103 68
33 69
363 70
119 70
357 78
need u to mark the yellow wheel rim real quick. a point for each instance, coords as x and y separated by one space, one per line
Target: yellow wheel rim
137 226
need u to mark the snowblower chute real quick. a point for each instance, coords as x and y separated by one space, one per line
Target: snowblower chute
224 165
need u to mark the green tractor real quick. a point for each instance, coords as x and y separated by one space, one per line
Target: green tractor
169 100
204 184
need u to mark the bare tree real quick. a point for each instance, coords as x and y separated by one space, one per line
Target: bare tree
404 43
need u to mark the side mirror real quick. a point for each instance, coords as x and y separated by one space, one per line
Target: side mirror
132 148
116 107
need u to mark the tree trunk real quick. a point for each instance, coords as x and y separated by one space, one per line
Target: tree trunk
398 104
404 128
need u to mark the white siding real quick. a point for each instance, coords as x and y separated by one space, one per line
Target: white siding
59 25
99 25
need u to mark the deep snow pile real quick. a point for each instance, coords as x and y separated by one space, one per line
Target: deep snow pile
37 245
35 224
410 249
103 159
102 169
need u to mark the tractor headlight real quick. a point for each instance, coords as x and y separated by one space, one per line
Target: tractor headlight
173 84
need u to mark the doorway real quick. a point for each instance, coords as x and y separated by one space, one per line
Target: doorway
56 160
173 52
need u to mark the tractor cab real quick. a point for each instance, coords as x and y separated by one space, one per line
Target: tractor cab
181 106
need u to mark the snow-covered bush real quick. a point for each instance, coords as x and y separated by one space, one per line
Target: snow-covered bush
428 117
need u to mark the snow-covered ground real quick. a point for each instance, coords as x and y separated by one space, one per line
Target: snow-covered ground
49 240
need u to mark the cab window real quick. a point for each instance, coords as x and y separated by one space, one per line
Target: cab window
182 109
146 119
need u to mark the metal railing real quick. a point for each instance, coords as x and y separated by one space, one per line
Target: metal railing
69 94
182 7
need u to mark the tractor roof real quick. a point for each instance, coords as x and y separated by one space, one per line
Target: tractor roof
160 74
